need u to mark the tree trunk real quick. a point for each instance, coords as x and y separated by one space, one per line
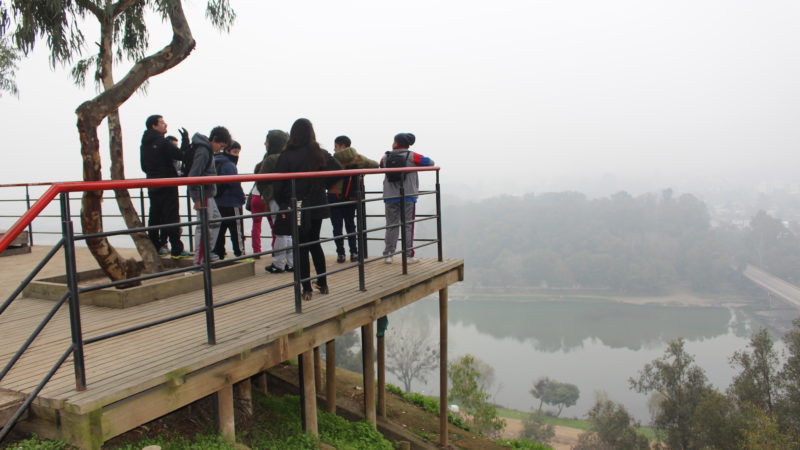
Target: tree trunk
91 113
145 247
112 263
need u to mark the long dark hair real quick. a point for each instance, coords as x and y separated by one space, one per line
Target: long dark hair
302 135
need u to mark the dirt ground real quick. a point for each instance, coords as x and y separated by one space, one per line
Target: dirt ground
565 437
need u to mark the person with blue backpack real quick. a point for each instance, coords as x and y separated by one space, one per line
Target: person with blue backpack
401 156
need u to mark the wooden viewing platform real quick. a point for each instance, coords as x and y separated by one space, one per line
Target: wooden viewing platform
137 377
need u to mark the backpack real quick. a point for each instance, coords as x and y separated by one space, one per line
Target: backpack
393 160
188 159
350 187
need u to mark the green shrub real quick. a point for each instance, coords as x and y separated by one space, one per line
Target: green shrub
524 444
429 404
535 428
177 442
35 443
279 426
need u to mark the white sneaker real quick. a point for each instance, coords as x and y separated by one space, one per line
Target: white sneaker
387 260
411 260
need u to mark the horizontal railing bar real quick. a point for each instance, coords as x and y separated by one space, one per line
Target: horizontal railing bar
31 275
143 326
34 335
256 294
27 403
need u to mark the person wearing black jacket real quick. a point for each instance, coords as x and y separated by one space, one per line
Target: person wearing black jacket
303 154
158 156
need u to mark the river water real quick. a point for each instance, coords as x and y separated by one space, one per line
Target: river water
595 345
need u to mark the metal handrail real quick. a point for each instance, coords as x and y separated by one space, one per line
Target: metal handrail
69 237
83 186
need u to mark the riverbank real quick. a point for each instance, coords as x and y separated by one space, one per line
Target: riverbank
567 431
675 299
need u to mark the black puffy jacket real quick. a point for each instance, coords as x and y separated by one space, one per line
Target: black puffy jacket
312 191
158 155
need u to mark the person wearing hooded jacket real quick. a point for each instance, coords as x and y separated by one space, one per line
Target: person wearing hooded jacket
346 189
229 198
282 255
157 158
303 154
202 166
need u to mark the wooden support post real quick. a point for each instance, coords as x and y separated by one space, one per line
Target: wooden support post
261 382
227 426
309 393
244 396
318 369
368 350
330 375
381 377
443 368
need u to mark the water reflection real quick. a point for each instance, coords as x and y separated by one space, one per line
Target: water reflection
596 346
565 325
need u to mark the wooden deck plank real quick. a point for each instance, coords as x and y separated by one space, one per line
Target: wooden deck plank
148 353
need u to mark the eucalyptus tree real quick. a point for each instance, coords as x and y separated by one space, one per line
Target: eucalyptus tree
8 66
123 37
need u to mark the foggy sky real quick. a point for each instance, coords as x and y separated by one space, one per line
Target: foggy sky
506 96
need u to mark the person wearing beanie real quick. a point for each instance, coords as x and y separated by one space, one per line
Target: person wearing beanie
401 156
344 190
282 256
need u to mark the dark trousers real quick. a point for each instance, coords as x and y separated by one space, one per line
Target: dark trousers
344 214
164 210
235 228
310 233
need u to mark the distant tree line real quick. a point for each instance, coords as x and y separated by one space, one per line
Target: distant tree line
650 244
760 409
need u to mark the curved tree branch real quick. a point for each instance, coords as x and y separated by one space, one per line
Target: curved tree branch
92 7
122 5
179 48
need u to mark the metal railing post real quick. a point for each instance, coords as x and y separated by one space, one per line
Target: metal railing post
30 225
403 242
141 204
360 235
74 302
189 219
296 212
439 218
363 206
204 238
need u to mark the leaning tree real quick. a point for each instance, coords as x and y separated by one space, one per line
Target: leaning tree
123 36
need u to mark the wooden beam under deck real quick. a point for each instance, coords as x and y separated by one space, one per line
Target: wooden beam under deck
138 377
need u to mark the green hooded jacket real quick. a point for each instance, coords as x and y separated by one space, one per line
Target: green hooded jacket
349 158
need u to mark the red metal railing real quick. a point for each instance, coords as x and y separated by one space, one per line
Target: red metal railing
83 186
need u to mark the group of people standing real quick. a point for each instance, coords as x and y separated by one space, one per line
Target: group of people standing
296 151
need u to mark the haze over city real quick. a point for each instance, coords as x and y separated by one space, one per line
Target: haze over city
508 97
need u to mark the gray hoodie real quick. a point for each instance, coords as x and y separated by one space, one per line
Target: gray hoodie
202 165
276 142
